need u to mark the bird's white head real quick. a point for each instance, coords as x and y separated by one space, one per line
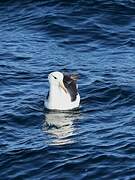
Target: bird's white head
56 79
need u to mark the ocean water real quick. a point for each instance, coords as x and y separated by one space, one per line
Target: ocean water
94 39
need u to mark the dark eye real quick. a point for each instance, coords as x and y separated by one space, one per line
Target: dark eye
54 77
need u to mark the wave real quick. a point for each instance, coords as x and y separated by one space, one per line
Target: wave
93 38
76 23
106 97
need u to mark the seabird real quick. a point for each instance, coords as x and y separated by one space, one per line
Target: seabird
63 94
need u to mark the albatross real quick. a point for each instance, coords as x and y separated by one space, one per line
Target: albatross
63 93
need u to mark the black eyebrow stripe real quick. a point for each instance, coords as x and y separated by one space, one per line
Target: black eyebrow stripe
54 77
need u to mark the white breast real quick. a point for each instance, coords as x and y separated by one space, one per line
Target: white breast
59 100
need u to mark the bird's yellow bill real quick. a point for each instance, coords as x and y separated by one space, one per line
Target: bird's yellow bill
63 86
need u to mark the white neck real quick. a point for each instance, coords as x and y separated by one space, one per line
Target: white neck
58 97
54 91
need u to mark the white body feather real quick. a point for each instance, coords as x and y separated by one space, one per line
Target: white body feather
59 99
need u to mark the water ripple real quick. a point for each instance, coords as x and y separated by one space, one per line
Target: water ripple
94 39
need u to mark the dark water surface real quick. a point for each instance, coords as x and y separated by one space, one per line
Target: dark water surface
95 39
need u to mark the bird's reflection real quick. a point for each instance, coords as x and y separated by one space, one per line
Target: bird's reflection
59 125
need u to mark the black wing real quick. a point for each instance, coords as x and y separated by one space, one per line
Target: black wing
70 84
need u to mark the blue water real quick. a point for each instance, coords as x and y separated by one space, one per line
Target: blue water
94 39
